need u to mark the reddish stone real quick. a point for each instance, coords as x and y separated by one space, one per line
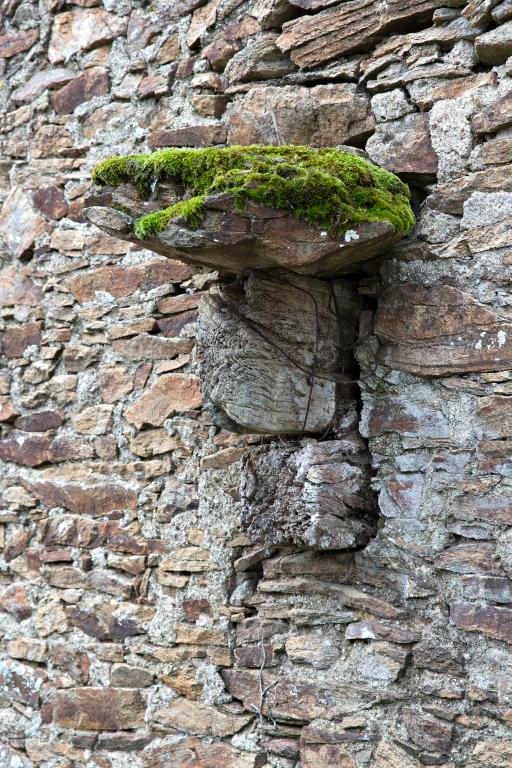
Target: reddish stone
51 202
17 543
7 410
122 281
82 29
16 287
25 448
10 45
115 383
495 509
404 147
110 621
326 756
322 116
494 417
39 422
191 136
493 621
142 29
93 82
172 305
426 731
67 658
474 557
494 117
171 393
154 86
14 601
94 495
55 141
69 449
191 753
438 330
146 346
172 326
99 709
17 338
50 78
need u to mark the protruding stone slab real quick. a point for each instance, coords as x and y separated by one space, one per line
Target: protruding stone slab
313 211
274 351
311 494
260 238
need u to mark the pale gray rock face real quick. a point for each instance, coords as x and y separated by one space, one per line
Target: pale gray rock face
390 105
485 208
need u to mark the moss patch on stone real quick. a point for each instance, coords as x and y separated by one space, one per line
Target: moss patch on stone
328 188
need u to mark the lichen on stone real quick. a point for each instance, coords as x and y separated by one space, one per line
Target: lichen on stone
329 188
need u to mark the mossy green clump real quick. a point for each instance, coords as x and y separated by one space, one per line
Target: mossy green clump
328 188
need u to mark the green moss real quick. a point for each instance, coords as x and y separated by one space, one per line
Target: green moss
328 188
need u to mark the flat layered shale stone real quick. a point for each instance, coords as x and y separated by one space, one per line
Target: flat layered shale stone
80 492
440 330
349 27
272 360
314 495
99 709
312 211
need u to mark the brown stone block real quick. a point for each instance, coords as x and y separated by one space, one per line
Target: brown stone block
494 417
94 82
200 719
51 202
17 287
326 756
128 676
99 709
404 147
472 557
170 393
191 753
82 29
12 44
80 492
122 281
190 136
17 338
14 601
491 620
494 117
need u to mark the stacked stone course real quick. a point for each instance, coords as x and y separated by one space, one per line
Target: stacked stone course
139 625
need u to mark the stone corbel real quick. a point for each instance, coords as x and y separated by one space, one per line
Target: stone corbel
275 342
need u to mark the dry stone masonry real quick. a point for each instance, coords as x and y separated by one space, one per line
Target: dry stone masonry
192 576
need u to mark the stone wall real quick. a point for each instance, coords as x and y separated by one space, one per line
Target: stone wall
138 626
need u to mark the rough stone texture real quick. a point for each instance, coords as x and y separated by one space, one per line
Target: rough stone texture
253 335
140 625
231 241
314 495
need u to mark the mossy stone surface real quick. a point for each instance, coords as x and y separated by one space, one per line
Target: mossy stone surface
328 188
